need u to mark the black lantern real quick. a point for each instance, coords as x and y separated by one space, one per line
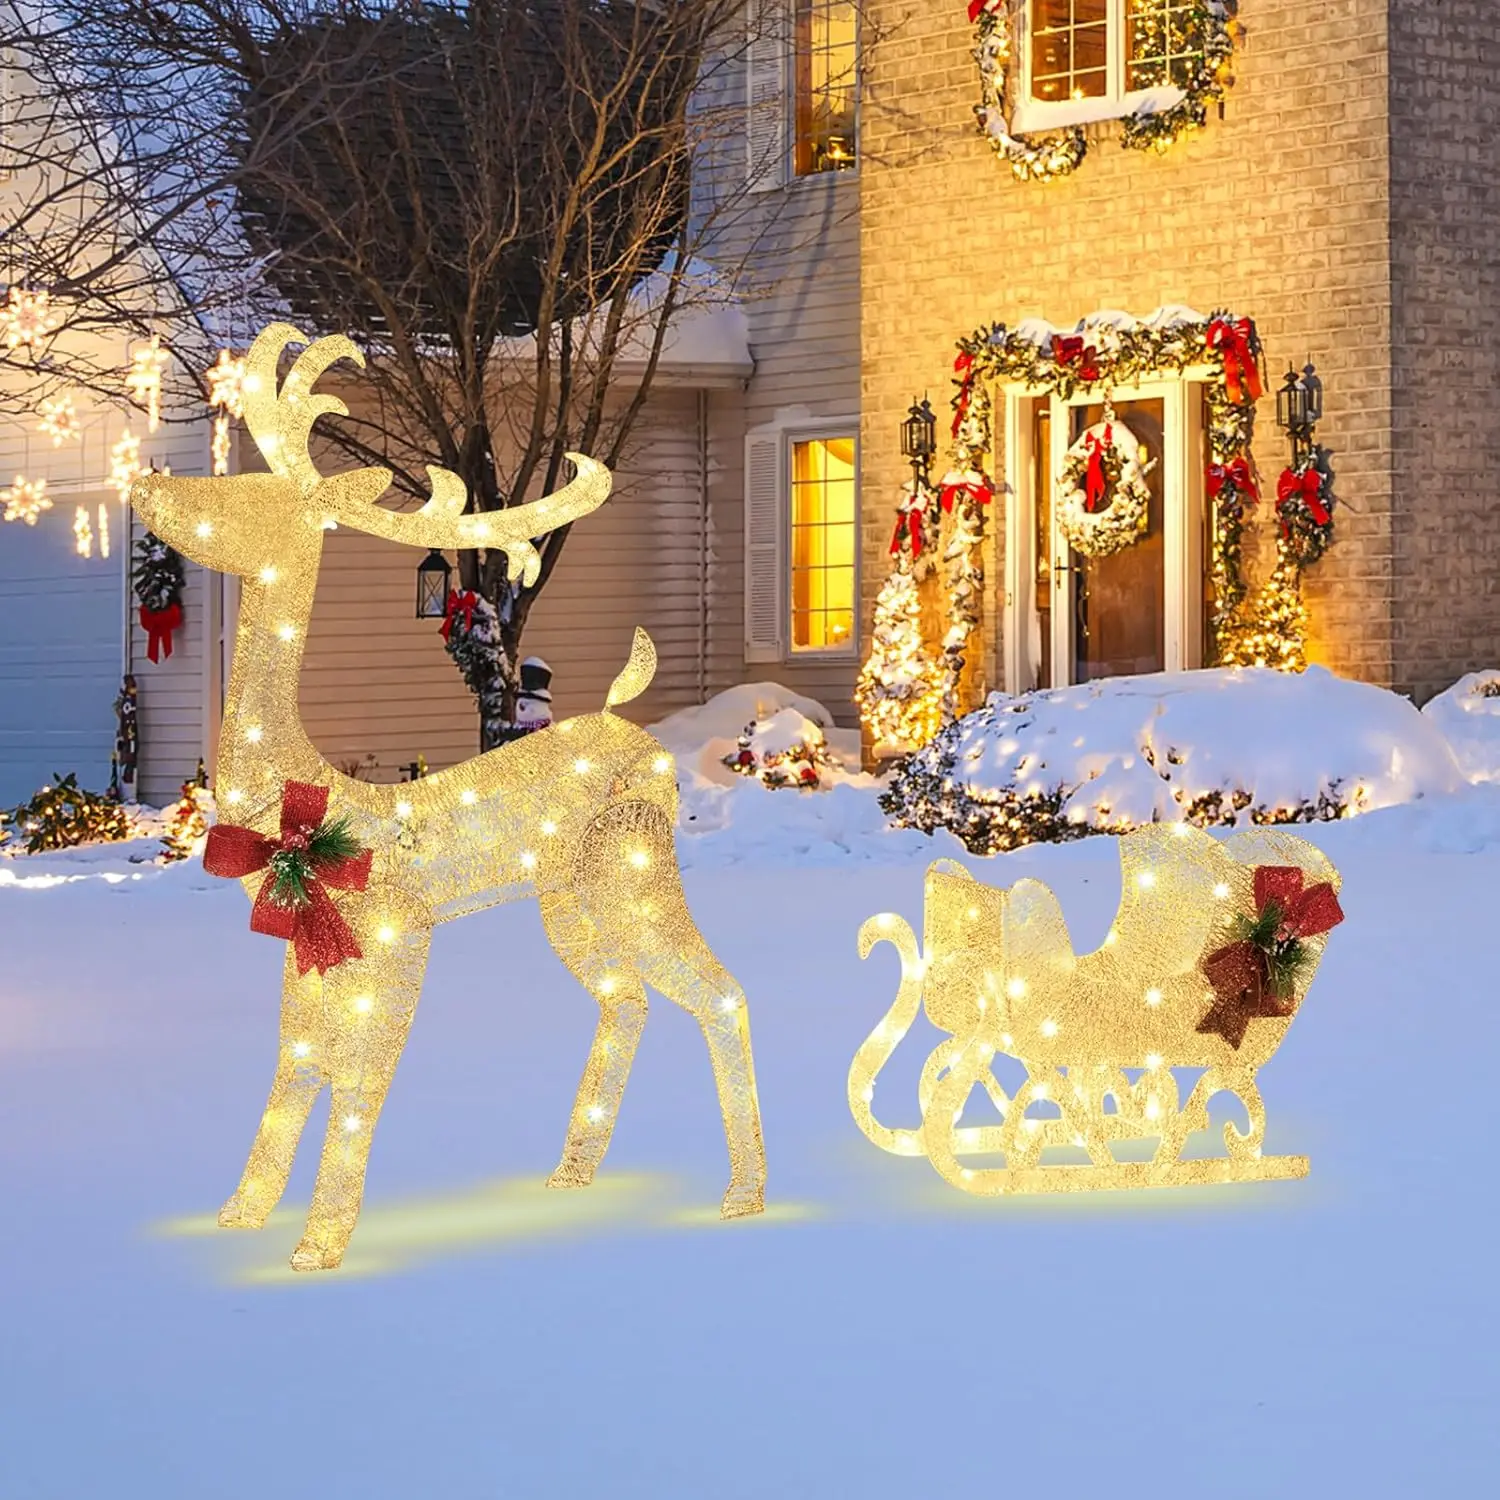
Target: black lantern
1299 409
919 435
433 579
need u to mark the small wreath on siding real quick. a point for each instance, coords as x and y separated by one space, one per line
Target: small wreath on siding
1105 502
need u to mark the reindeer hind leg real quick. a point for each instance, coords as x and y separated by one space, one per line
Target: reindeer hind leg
630 891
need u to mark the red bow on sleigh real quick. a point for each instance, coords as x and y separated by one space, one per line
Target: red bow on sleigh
1306 487
1095 484
460 603
1236 473
1233 338
1256 976
307 918
1071 350
159 625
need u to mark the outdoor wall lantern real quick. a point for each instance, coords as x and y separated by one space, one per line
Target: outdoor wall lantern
434 577
1299 409
919 435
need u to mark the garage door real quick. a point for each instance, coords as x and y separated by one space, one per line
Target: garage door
60 643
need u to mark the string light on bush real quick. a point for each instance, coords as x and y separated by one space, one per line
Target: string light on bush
26 499
59 420
143 380
28 318
998 974
355 875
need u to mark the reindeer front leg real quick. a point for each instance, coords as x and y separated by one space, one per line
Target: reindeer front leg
368 1006
298 1082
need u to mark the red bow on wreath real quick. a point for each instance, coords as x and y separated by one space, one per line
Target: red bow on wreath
908 523
1071 350
1257 975
1306 486
949 494
159 625
1236 473
1095 482
463 603
312 855
1232 338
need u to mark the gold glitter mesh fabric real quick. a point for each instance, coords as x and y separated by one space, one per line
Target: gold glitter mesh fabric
1097 1034
579 815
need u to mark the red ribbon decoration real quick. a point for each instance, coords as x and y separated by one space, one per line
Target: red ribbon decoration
159 625
1071 350
908 523
978 7
1231 338
1236 473
1095 484
457 602
980 494
322 938
1239 972
1306 487
963 367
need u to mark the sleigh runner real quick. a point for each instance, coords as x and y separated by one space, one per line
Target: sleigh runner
1204 968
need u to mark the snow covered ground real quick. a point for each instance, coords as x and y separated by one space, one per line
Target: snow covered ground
876 1334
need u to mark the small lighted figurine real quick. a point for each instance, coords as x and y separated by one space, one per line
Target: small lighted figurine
1206 964
354 875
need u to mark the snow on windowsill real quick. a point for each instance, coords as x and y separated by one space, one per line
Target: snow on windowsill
1034 117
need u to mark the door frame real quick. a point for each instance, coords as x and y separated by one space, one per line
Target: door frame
1183 529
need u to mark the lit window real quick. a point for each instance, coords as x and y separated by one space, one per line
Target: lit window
823 539
826 62
1111 50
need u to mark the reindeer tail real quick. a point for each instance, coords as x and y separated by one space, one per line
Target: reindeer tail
637 674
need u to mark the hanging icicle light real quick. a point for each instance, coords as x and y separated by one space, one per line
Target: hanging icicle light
125 463
59 420
143 380
25 500
28 318
226 395
83 532
103 528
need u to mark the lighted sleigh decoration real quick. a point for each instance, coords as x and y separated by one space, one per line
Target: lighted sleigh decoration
1205 967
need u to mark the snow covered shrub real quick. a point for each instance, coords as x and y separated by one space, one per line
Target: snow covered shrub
786 749
1218 748
1468 714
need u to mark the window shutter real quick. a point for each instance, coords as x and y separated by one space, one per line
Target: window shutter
763 557
766 138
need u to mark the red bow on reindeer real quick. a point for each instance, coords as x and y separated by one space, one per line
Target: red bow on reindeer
1234 340
460 603
159 625
1307 487
311 856
1236 473
1095 483
1257 975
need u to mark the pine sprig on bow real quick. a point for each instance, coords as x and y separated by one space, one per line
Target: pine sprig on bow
330 843
1282 956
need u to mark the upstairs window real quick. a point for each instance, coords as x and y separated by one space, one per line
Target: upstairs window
825 71
1095 59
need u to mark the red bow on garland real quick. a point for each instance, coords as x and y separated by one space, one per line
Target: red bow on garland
1306 487
1256 976
460 603
159 625
1233 339
908 523
963 367
1237 473
1095 483
310 856
1071 350
949 494
978 8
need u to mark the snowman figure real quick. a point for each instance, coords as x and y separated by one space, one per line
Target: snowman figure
534 701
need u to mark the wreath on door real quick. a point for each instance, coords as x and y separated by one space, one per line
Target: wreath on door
1105 502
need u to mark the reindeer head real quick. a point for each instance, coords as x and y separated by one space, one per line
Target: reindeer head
252 523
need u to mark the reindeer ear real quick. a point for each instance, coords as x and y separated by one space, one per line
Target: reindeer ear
348 496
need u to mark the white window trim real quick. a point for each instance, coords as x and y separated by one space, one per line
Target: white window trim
805 432
1183 561
1034 115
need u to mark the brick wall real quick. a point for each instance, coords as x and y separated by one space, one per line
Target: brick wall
1279 212
1445 206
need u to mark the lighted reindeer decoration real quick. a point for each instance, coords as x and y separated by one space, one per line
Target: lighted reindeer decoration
581 815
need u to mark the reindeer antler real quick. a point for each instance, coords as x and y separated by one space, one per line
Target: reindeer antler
281 424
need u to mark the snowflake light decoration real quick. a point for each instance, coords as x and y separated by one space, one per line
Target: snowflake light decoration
59 420
143 380
226 399
26 499
28 318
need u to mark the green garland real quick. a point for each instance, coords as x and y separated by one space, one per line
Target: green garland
157 576
293 870
1204 33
